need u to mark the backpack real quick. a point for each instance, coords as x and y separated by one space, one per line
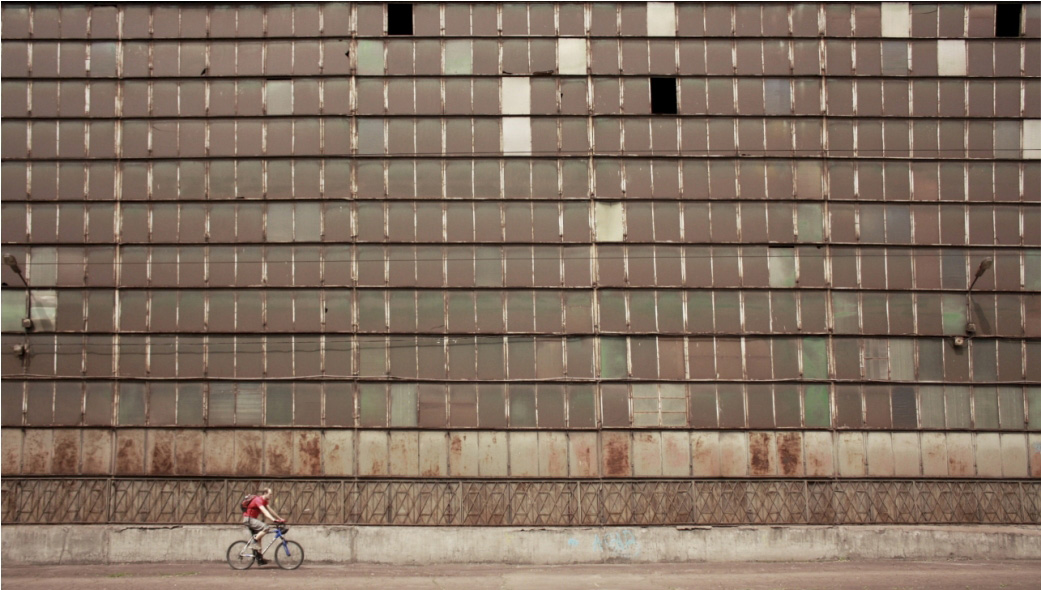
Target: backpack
246 500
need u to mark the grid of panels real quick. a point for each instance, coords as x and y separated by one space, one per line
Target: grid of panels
487 225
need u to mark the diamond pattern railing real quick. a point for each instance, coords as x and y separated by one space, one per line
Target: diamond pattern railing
429 502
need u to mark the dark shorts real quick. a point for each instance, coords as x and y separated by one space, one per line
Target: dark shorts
253 524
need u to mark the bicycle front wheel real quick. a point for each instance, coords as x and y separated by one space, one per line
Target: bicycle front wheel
289 555
239 556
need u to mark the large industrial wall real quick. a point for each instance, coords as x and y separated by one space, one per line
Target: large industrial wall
473 274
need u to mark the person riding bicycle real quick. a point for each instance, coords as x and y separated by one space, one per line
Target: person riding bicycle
260 504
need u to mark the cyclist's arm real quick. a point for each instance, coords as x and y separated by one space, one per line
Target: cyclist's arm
267 513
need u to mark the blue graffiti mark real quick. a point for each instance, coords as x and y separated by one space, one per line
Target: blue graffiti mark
622 543
572 543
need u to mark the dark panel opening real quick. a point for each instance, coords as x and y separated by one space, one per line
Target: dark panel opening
1007 19
399 19
663 96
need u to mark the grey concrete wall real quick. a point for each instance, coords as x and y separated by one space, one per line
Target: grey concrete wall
24 544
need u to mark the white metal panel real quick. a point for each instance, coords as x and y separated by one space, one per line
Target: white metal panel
516 96
1032 139
516 135
609 225
571 57
661 19
950 57
896 19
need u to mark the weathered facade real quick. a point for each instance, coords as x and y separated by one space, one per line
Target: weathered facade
510 264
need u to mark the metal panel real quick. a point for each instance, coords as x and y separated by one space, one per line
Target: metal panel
433 454
907 455
647 454
553 454
524 454
583 455
492 452
404 454
880 459
338 452
462 454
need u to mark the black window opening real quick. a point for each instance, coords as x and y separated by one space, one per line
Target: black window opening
663 96
399 19
1008 19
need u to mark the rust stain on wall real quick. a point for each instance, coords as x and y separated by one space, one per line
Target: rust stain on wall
97 452
66 452
249 452
278 453
130 452
616 455
161 454
789 453
188 447
759 453
308 453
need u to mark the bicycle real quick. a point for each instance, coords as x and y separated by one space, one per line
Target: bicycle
288 555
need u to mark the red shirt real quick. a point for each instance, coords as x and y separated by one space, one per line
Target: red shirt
254 507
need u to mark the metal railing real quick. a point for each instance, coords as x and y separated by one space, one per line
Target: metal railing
427 502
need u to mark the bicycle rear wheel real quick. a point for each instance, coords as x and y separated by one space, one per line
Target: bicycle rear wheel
289 555
239 556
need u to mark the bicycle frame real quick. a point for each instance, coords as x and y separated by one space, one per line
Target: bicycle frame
278 538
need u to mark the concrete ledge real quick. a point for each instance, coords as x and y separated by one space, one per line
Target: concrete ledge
103 544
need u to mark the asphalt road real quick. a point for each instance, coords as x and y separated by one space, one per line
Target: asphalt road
888 575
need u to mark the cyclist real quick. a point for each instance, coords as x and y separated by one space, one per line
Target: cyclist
260 504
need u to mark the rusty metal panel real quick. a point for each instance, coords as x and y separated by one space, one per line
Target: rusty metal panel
988 455
907 454
130 452
338 452
616 454
524 454
372 453
733 454
11 450
188 445
789 454
647 455
463 454
97 452
1034 449
762 454
219 452
820 454
251 458
704 454
1014 456
307 453
850 454
583 455
404 453
493 454
553 454
159 452
880 462
37 452
433 454
960 459
934 454
66 452
675 448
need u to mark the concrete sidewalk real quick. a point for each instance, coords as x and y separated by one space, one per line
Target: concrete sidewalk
869 575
